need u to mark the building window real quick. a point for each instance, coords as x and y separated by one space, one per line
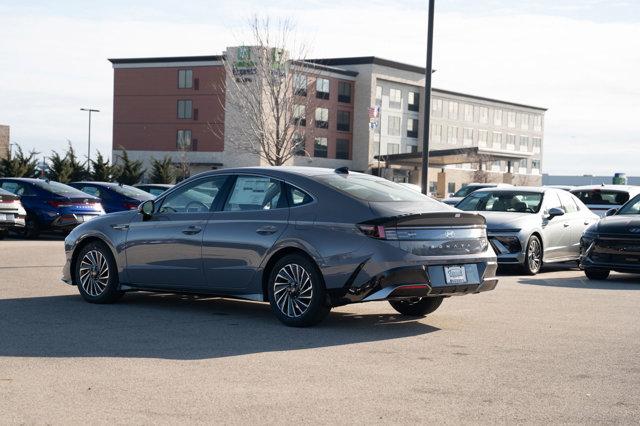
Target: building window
453 110
183 140
299 145
537 122
497 140
393 148
524 143
511 119
537 145
468 112
483 112
344 92
524 121
511 142
322 118
342 149
394 126
436 107
482 138
185 109
395 98
468 137
451 187
185 79
300 84
344 121
320 147
299 115
497 117
535 167
452 134
413 103
522 169
379 94
322 88
436 132
412 128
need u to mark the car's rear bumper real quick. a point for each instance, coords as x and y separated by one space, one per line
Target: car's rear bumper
67 222
12 223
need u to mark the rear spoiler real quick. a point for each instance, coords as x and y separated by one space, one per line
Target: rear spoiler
431 219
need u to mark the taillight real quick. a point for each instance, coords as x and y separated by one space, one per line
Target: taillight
373 231
130 206
3 201
58 204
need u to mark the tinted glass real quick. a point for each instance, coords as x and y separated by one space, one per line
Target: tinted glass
255 193
299 197
463 192
632 207
372 189
195 197
130 191
512 201
59 188
602 197
91 190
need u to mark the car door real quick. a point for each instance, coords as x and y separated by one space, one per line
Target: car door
238 236
166 249
556 238
575 224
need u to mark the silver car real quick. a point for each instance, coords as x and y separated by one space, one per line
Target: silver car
12 214
531 226
303 239
602 198
468 189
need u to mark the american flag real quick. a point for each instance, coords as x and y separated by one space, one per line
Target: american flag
374 111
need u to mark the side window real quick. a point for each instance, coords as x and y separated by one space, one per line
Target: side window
197 197
567 202
551 201
255 193
298 197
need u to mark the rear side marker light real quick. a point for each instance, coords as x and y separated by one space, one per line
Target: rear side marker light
373 231
130 206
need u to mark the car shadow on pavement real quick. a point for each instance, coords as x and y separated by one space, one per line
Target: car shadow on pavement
616 282
167 326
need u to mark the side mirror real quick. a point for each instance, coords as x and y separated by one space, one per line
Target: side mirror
555 211
146 209
611 212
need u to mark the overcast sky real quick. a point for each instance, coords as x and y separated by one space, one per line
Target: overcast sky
580 59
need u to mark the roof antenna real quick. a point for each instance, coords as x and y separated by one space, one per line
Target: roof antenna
342 170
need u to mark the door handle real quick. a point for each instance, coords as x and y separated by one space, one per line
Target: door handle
587 223
192 230
267 230
566 225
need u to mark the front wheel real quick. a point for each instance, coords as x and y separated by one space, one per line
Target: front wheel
417 307
597 274
533 256
96 274
296 292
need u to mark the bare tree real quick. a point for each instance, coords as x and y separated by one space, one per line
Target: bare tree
267 94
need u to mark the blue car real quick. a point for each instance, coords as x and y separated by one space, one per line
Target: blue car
115 197
51 206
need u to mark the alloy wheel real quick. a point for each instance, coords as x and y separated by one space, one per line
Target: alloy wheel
293 290
534 255
94 273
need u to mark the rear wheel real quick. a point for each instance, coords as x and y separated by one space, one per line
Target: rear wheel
3 234
96 274
419 307
296 292
31 227
533 256
597 274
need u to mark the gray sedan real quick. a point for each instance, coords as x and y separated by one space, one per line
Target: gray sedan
303 239
531 226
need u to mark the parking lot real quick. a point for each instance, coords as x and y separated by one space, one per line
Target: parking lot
552 348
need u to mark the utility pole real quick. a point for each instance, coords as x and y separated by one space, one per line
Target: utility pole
427 102
89 137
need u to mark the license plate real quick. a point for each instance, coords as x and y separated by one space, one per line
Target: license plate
455 274
5 216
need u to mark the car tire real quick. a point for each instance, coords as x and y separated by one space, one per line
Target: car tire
417 308
31 228
533 256
296 292
96 274
3 234
597 273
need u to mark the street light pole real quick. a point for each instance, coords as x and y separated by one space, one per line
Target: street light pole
427 102
89 137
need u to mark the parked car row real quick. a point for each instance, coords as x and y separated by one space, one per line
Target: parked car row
31 206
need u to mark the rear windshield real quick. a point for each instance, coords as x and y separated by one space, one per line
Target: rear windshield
463 192
501 201
131 192
602 197
60 189
372 189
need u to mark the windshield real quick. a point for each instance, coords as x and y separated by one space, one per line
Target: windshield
463 192
632 207
372 189
501 201
131 192
60 188
602 197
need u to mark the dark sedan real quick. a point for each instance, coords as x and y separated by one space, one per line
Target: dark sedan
51 206
115 197
613 244
304 239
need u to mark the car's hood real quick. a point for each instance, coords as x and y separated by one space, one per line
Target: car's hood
500 221
627 225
